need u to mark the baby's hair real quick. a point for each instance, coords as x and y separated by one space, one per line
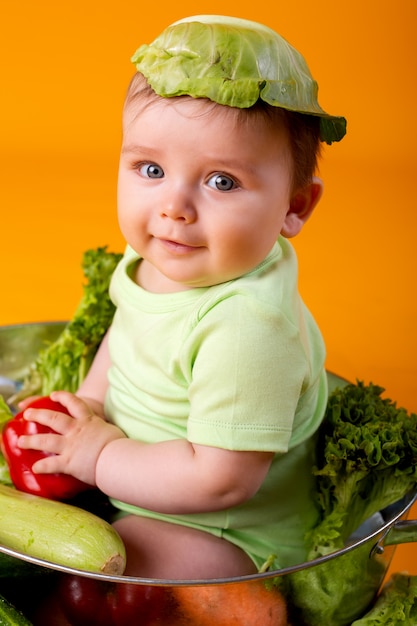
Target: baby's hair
303 129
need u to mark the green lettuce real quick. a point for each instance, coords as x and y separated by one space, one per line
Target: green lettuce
396 604
64 363
5 412
366 461
5 416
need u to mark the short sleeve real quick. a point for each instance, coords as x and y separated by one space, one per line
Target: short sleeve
248 370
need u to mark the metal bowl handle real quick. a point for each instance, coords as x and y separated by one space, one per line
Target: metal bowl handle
403 531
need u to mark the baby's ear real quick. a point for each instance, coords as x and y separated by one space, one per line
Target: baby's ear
302 205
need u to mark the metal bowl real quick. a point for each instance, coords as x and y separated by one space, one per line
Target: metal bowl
168 602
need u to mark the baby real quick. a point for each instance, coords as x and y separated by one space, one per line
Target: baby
198 415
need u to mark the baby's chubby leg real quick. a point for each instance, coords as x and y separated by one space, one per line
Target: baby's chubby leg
157 549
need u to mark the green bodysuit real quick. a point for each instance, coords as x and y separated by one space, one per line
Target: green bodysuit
239 366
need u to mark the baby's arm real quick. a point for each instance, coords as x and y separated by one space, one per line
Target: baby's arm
169 477
180 477
93 388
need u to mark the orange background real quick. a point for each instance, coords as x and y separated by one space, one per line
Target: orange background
64 71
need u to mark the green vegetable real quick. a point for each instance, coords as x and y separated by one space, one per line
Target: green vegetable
10 616
396 605
367 455
59 533
5 416
64 363
5 478
12 568
233 62
5 412
367 461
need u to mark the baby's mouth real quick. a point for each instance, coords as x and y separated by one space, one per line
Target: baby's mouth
178 246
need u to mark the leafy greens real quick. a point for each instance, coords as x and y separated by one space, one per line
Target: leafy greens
366 461
233 62
396 605
5 416
64 363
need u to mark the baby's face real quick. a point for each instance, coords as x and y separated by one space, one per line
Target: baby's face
201 198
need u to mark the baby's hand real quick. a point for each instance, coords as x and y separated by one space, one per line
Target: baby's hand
77 442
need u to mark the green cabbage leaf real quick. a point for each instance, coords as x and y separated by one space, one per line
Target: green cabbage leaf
233 62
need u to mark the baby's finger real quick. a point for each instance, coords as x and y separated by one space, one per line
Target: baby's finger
45 442
59 422
47 465
74 405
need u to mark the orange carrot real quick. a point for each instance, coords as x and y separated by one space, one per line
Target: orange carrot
248 603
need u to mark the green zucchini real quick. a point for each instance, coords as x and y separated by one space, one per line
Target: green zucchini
59 533
12 568
10 616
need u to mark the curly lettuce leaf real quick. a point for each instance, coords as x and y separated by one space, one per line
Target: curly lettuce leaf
395 606
337 591
366 461
64 363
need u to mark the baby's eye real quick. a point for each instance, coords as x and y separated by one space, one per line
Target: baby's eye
221 182
151 170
